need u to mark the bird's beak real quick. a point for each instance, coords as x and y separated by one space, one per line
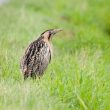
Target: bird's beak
54 31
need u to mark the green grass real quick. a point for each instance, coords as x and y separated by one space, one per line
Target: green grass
78 77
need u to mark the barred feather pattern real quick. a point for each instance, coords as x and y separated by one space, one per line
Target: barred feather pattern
36 59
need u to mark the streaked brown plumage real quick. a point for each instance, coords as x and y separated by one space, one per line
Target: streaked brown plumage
38 55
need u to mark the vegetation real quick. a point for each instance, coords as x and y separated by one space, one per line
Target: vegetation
78 77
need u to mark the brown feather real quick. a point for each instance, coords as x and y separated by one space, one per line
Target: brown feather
36 59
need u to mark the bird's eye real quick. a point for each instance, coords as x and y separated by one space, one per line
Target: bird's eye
49 35
50 32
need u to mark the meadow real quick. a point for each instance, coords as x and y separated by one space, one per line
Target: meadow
78 77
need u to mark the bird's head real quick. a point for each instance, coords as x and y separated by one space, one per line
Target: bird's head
49 33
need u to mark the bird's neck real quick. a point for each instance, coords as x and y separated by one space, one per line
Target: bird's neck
48 43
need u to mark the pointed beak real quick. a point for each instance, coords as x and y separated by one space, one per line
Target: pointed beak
54 31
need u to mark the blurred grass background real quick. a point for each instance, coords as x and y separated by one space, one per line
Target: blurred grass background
78 77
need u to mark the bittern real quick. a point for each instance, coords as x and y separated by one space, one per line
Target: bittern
38 55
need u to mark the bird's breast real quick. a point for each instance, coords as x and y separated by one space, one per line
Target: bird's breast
49 45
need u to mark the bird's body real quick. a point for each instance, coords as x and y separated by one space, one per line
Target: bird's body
37 56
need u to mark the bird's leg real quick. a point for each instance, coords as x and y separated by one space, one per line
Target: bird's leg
39 77
33 76
25 76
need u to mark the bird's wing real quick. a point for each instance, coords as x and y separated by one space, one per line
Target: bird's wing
36 58
25 62
44 56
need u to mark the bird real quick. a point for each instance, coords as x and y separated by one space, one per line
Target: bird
38 55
